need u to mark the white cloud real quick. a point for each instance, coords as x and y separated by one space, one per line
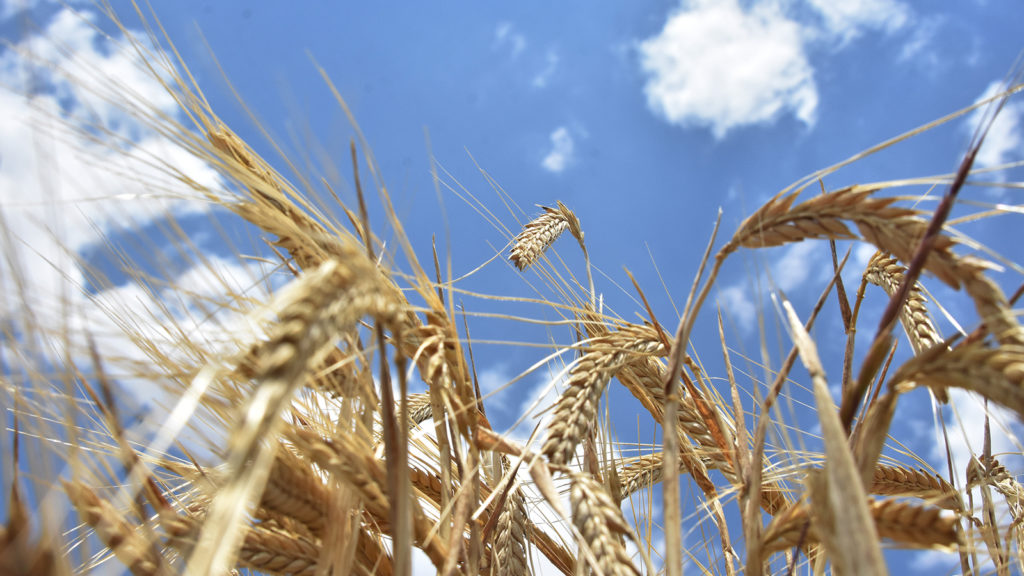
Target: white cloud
847 19
737 304
536 401
718 65
966 431
505 36
1005 139
791 269
723 64
60 190
502 393
542 78
562 151
14 7
920 38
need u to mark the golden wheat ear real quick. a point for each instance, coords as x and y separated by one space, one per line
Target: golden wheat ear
540 233
602 527
576 410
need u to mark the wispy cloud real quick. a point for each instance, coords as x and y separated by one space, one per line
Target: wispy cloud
718 65
551 60
562 152
851 18
1005 139
737 304
791 269
919 39
506 37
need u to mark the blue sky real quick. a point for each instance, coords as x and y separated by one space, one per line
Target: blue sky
645 119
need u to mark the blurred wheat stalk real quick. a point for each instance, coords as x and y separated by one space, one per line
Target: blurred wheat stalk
332 467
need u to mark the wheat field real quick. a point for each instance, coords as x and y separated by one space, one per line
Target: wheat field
295 438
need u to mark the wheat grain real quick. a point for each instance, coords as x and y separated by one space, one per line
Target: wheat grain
914 526
885 271
639 472
270 549
296 491
419 407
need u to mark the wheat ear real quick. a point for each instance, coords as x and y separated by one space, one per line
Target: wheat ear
886 272
352 461
541 232
270 547
904 523
899 481
602 527
140 556
995 373
576 410
312 311
509 555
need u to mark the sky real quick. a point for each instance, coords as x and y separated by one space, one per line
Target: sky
645 119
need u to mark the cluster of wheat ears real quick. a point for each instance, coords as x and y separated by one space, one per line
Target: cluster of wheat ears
331 466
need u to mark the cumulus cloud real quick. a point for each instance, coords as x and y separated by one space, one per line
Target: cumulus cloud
63 192
726 64
718 65
562 151
1005 139
966 430
60 191
12 8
